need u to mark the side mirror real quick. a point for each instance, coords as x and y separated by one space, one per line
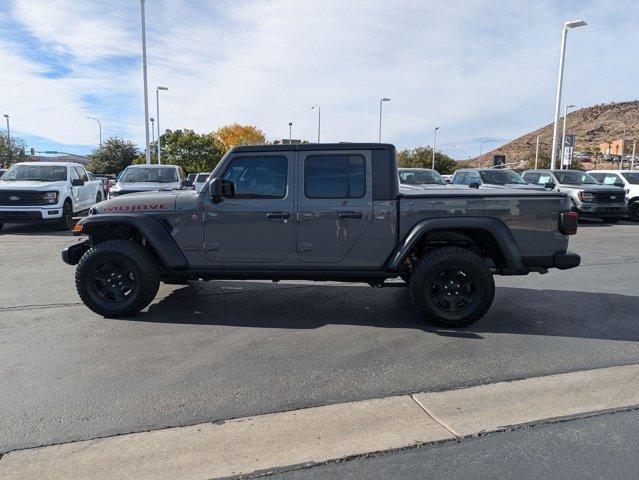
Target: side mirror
620 185
219 188
550 185
77 182
473 185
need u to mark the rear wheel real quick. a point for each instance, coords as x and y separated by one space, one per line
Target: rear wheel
117 278
66 221
452 287
633 211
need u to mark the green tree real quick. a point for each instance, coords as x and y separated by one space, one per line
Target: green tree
113 156
422 157
194 152
11 153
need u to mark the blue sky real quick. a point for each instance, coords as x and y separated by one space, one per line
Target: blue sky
478 69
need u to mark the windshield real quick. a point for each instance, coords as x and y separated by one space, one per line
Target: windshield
202 177
500 177
575 178
420 177
143 174
632 177
36 173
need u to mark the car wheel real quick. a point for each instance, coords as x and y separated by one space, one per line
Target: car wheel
66 221
117 278
98 198
452 287
633 211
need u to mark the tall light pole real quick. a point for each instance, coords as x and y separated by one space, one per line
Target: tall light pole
8 137
434 143
381 100
99 126
290 132
537 152
146 87
319 120
560 79
152 120
563 135
157 116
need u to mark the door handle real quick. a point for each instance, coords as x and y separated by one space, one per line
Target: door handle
349 214
277 215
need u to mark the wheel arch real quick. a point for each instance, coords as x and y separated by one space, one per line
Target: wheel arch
490 234
149 231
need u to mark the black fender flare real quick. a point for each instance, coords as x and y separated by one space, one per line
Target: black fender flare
498 229
154 231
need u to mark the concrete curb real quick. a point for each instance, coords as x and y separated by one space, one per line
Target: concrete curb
320 434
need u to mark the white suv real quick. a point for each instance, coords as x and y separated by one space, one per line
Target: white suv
38 191
626 179
148 178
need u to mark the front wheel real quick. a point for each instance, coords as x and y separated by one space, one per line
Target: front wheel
452 287
117 278
66 221
633 211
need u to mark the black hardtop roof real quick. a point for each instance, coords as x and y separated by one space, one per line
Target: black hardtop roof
314 146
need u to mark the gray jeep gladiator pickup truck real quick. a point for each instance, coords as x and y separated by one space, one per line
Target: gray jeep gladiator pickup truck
320 212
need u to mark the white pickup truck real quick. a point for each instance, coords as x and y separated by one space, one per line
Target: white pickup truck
46 191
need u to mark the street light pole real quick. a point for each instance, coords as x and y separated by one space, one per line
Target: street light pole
319 120
434 143
9 137
290 132
560 78
481 146
379 138
157 116
563 135
146 87
99 126
537 152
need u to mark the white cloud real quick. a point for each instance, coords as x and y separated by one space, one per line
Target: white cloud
476 68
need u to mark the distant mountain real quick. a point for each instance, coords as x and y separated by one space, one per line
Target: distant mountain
591 125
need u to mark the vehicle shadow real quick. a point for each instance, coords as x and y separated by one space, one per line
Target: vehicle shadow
35 229
294 306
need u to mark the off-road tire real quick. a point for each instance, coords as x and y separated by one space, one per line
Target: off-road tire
66 221
142 271
426 283
633 211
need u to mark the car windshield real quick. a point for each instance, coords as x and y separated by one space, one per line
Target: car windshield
575 178
144 174
632 177
420 177
202 177
500 177
36 173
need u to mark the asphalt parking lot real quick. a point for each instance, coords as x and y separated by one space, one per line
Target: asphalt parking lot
222 350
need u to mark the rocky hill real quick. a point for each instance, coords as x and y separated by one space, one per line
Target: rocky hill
591 125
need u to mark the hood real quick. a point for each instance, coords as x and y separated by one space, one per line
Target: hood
514 186
139 202
30 185
145 186
593 188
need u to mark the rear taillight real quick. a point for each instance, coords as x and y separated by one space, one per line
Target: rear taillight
568 222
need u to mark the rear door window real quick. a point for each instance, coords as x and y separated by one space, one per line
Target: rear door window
335 176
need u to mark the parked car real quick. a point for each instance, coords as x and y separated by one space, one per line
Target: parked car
448 178
588 197
146 178
626 179
47 191
103 183
500 178
200 180
411 179
321 212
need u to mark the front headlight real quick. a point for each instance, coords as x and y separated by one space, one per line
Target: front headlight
50 198
587 196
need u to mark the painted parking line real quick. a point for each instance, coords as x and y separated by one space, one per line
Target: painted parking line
315 435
